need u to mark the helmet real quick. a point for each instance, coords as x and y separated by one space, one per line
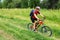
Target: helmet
38 7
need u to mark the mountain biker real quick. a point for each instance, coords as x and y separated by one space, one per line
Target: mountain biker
33 16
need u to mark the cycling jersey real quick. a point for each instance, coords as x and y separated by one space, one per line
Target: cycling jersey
33 18
35 12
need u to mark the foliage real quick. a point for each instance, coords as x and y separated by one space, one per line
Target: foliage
0 5
49 4
52 3
34 3
24 3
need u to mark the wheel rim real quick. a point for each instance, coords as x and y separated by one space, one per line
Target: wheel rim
29 26
46 31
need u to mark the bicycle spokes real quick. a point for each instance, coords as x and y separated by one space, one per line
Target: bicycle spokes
46 31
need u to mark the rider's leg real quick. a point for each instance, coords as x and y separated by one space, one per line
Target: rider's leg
33 21
34 25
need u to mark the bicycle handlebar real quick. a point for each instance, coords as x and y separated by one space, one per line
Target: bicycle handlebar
42 19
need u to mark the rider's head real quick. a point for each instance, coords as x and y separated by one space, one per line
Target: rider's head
38 8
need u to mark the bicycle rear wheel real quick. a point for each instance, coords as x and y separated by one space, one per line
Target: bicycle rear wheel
29 26
46 31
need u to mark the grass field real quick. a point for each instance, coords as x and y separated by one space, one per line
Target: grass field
13 24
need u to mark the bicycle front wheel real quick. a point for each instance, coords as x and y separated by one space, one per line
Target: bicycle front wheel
46 31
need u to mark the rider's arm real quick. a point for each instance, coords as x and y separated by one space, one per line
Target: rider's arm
42 15
36 16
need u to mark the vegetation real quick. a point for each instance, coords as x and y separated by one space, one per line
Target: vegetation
13 24
49 4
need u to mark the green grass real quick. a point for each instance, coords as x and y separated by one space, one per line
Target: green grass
13 24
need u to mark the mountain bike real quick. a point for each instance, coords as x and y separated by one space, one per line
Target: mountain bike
41 27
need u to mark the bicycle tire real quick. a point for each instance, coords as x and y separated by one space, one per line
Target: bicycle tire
29 26
46 29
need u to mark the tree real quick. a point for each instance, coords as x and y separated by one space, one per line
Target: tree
30 3
6 3
44 4
34 3
24 3
0 4
52 3
12 3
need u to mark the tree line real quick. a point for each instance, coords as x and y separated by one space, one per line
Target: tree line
49 4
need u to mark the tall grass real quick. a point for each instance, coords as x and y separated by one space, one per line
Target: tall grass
14 21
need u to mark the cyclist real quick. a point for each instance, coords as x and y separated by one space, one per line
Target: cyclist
33 16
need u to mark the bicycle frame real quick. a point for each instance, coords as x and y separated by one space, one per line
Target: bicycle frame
40 22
